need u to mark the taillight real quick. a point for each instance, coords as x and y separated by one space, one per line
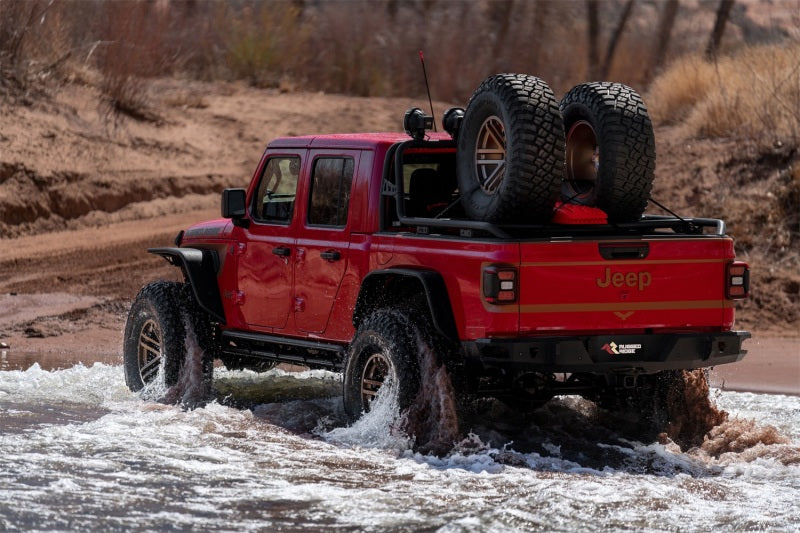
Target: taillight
500 284
737 281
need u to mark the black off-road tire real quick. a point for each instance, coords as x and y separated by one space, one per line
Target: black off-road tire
386 337
610 149
643 408
511 151
155 335
675 402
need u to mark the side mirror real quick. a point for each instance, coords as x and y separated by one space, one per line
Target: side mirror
234 204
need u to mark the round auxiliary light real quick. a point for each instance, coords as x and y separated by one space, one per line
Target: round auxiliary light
451 121
415 122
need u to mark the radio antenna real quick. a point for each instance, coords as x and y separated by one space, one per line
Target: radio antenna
427 86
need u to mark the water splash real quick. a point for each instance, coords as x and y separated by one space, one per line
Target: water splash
433 417
691 410
745 440
193 386
120 463
381 427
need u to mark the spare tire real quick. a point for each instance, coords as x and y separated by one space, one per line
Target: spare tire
511 151
610 149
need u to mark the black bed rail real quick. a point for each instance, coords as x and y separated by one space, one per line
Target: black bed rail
647 225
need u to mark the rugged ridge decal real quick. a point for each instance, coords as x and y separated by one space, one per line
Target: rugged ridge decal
613 348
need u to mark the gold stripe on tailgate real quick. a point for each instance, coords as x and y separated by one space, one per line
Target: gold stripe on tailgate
625 306
611 262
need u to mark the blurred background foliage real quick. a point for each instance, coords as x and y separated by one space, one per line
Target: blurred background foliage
719 65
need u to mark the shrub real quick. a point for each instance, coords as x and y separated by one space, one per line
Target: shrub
33 43
754 94
132 51
263 42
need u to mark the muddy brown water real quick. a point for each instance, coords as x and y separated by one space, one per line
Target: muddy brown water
272 451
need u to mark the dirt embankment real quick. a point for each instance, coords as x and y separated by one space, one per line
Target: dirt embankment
756 191
81 198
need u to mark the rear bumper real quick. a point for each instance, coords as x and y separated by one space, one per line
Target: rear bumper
609 353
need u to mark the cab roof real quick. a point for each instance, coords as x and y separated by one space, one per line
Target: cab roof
358 141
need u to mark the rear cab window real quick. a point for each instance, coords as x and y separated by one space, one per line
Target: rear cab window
329 199
429 185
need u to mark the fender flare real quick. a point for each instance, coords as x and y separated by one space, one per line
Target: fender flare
435 293
200 272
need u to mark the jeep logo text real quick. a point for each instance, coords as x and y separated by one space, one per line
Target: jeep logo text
640 280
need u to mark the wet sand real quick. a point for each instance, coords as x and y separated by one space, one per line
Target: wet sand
772 365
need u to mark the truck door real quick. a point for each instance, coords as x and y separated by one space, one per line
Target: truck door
267 252
323 238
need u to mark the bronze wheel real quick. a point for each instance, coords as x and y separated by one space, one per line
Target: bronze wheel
149 351
610 150
583 160
510 151
162 320
490 155
375 372
384 353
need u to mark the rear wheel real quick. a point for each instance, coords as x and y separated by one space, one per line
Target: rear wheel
610 149
675 402
157 341
385 351
511 150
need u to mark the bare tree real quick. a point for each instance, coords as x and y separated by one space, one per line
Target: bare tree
612 44
541 16
391 9
593 25
501 17
723 12
665 24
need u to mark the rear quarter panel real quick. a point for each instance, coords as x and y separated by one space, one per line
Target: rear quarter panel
460 264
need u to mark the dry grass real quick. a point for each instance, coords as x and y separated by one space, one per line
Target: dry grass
754 94
263 42
744 111
356 47
132 49
33 44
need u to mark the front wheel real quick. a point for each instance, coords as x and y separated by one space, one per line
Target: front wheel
161 339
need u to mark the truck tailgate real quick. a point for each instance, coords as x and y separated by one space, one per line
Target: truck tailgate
658 284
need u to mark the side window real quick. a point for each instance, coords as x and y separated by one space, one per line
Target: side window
330 191
274 199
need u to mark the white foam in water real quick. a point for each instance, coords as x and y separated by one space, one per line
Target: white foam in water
78 384
378 428
112 460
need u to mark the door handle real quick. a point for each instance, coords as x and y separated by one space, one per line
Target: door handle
330 255
282 251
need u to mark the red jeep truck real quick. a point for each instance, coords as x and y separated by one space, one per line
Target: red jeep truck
513 246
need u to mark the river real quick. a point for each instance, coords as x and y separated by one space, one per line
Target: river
271 451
